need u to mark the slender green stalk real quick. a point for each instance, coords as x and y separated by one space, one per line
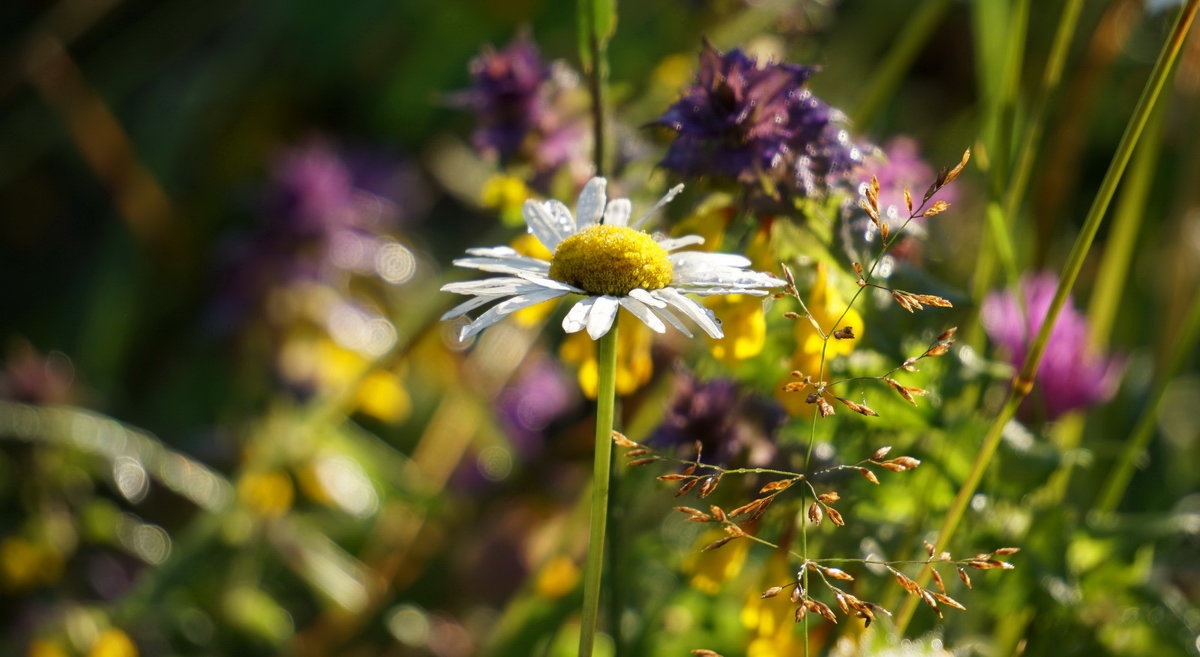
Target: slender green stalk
899 58
1118 479
606 360
1018 183
1023 383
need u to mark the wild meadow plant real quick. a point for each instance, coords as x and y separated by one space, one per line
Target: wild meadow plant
821 462
753 129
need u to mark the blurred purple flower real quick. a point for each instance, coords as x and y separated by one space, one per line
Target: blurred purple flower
1070 376
326 215
902 167
731 424
522 108
742 120
542 394
899 167
28 376
507 96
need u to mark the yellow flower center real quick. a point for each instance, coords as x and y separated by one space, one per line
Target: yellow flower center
611 260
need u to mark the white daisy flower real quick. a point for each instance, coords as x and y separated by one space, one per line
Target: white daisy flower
613 264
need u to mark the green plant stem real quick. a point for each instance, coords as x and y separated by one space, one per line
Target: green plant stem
1018 183
606 359
1118 479
899 58
1023 383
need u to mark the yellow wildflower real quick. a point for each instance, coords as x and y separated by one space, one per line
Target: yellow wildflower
381 394
25 564
711 569
745 326
771 620
634 365
709 221
46 648
826 305
267 493
506 194
557 578
113 643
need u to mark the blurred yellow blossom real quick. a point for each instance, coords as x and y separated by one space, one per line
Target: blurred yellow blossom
113 643
506 194
24 563
46 648
557 578
709 220
826 305
709 570
381 394
674 71
745 326
634 365
771 620
268 493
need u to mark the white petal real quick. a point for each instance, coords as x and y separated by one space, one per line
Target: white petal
467 306
577 316
642 312
722 291
692 310
685 259
504 309
544 225
561 215
590 206
548 283
646 298
673 320
503 265
600 320
617 212
723 277
497 285
492 251
670 195
672 243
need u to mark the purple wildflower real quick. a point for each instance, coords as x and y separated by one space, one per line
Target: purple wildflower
327 214
523 107
529 405
507 96
904 168
742 120
899 167
729 423
1070 376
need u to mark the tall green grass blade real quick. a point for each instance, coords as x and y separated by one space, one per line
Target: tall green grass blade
1023 383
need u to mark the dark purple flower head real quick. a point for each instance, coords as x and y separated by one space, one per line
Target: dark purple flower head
902 167
507 96
1071 376
899 167
742 120
528 406
729 423
327 214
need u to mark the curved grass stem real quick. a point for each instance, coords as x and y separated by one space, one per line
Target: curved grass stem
606 358
1083 242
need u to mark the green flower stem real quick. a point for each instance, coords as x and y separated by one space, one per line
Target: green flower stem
606 360
899 58
1118 480
1083 242
1018 183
